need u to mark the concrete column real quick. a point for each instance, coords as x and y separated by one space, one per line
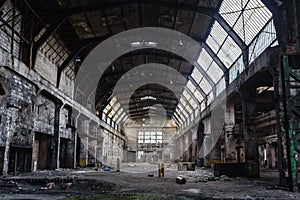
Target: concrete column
12 115
87 129
55 140
217 121
58 137
269 157
99 154
249 130
189 146
200 139
181 148
83 126
229 131
207 142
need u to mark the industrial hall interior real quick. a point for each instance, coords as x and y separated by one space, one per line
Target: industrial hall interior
177 95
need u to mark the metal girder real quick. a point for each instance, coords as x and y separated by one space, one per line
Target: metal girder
280 26
190 8
182 96
180 118
212 12
139 111
105 5
205 75
84 43
197 86
176 120
70 58
234 36
217 60
184 108
53 27
126 115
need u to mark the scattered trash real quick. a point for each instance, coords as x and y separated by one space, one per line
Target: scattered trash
211 178
180 180
49 186
107 169
65 186
225 178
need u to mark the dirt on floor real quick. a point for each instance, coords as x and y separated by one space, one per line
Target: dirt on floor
140 181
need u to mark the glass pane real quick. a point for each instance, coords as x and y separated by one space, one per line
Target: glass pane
230 10
229 52
204 59
215 72
198 95
197 76
216 37
205 86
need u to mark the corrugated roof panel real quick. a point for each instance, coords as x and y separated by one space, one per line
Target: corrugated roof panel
236 69
229 52
115 117
189 109
214 72
186 105
184 114
210 98
205 86
255 19
192 102
202 106
216 37
204 59
265 39
120 110
197 76
177 116
120 117
220 86
198 96
230 10
191 86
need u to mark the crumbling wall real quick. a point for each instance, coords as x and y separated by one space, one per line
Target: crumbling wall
44 115
20 94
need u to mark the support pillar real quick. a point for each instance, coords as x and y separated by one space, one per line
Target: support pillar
249 130
55 140
200 139
217 123
11 118
229 131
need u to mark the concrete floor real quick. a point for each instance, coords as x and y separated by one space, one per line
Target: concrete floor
133 180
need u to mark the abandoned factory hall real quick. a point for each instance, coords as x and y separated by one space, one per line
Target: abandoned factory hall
149 99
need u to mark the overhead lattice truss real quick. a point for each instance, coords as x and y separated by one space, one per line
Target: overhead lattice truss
222 57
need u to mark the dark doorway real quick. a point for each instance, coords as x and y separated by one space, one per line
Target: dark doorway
19 160
41 151
131 156
66 153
